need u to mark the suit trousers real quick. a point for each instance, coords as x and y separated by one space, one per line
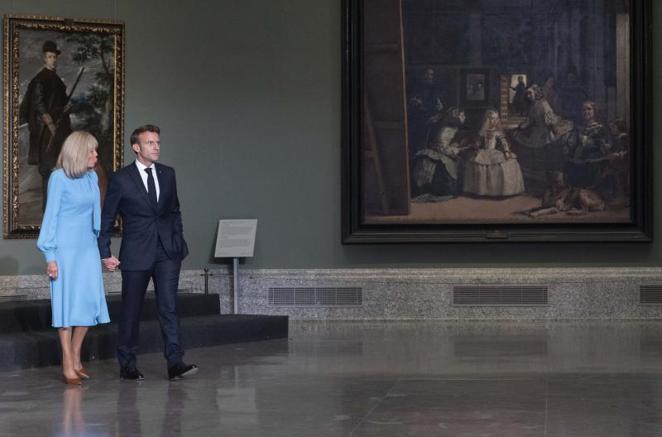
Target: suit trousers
165 274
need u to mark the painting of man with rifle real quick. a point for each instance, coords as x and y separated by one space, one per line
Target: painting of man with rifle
64 76
46 107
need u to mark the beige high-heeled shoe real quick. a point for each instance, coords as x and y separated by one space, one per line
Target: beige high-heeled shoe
82 373
71 381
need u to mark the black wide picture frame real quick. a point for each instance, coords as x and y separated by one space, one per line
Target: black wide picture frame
409 67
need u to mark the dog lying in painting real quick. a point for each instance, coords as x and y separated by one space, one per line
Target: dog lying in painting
561 198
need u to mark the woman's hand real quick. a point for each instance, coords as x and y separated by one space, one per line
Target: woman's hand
51 269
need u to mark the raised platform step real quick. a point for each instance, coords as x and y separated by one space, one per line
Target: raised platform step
29 347
40 348
35 315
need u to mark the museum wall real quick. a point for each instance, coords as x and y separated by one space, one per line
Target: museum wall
247 94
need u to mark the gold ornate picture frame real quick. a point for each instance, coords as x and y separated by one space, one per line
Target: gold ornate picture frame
44 100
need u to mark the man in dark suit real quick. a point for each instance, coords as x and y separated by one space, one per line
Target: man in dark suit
144 194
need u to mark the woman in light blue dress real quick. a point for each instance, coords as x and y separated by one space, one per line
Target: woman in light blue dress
68 240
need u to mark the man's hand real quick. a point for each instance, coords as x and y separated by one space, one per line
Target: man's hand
111 263
51 270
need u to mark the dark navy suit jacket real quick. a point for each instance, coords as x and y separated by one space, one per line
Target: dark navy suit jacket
143 224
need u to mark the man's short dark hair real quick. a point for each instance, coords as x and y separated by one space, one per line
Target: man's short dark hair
144 128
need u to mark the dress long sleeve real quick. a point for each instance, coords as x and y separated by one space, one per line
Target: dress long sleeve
47 242
96 215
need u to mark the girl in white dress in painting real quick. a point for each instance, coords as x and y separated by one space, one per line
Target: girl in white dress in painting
493 170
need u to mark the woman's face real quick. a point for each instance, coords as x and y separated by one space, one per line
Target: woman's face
459 116
530 94
492 118
92 158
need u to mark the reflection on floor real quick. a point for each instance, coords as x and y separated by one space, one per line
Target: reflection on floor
370 379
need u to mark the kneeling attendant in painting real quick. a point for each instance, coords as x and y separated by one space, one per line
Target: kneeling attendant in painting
493 171
68 240
437 167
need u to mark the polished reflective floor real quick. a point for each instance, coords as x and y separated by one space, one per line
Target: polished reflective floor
369 379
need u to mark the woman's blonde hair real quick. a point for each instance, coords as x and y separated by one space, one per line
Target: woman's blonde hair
74 154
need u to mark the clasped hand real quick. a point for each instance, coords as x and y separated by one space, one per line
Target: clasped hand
111 263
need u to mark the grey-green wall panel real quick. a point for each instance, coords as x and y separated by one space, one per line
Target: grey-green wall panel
248 96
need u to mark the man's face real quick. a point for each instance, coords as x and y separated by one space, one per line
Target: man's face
613 129
50 60
588 112
428 76
148 147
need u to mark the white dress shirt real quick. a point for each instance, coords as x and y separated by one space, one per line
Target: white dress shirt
143 176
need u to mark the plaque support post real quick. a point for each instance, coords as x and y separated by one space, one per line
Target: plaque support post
235 284
235 239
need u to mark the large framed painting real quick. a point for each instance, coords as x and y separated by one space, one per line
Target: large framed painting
496 120
59 75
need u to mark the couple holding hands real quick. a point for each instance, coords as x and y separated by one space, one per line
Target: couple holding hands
75 235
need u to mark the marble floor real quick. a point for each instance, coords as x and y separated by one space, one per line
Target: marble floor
369 379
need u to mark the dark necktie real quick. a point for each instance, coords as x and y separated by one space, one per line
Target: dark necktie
151 186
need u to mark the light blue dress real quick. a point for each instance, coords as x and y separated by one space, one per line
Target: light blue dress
68 236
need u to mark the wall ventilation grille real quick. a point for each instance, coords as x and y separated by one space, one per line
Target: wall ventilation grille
490 295
650 294
316 296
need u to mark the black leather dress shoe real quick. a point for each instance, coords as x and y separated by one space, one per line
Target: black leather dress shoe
131 374
182 370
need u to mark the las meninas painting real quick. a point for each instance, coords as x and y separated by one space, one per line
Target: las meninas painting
505 113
